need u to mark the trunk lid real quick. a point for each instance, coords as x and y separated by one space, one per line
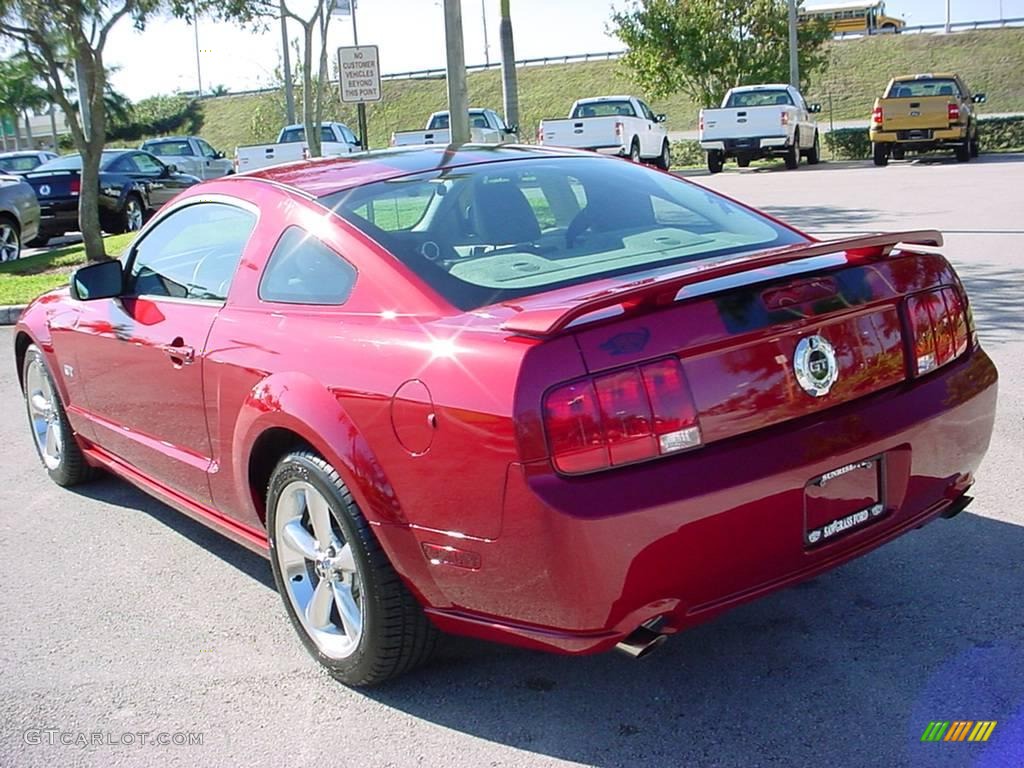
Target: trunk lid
54 185
916 113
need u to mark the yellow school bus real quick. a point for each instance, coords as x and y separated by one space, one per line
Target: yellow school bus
858 17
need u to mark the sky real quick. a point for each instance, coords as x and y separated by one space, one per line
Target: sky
410 34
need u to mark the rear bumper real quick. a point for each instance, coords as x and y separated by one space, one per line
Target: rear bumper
755 145
58 217
930 137
581 562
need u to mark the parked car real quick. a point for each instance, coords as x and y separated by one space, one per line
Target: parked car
758 121
22 162
191 155
925 113
536 396
612 125
19 216
133 184
335 139
485 127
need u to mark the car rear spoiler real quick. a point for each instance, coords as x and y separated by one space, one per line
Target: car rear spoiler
547 320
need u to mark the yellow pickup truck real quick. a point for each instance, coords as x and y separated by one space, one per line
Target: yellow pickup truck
923 113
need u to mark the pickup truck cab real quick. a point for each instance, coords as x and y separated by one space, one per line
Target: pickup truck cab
923 113
291 145
485 127
191 155
612 125
758 121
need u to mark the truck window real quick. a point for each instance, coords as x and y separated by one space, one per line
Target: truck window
746 99
604 109
916 89
438 123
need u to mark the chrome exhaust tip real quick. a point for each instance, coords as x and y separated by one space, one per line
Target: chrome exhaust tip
642 640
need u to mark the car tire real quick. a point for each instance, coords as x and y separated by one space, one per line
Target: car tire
975 146
963 153
881 155
743 161
792 156
54 439
10 239
131 215
634 151
351 610
898 153
716 161
814 153
665 158
40 241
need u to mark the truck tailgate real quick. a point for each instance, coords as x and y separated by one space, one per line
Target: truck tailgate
918 113
740 123
583 133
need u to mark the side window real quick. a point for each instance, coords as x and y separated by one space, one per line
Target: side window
146 164
205 149
302 270
123 164
191 254
647 113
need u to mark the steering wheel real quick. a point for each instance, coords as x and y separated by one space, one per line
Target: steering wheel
580 223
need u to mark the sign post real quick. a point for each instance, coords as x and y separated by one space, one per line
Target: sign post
359 75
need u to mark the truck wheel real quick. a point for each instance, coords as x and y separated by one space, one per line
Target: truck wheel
715 161
881 155
898 153
792 155
665 159
743 161
963 153
634 151
814 153
975 147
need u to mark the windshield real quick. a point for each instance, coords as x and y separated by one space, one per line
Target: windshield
604 109
759 99
492 232
74 162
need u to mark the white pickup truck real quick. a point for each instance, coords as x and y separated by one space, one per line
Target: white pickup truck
611 125
291 145
485 127
757 121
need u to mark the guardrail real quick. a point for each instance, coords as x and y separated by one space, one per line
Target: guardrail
427 74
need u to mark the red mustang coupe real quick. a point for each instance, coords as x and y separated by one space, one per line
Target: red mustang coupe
529 395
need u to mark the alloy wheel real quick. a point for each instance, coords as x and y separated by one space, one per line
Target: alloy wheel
10 243
318 570
133 215
44 415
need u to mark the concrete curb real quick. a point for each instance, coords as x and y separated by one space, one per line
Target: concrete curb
9 314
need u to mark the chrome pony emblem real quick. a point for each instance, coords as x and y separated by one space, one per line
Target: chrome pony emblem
814 363
44 189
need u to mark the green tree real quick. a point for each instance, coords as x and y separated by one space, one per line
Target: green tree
20 92
705 47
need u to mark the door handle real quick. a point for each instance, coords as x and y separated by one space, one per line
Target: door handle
179 352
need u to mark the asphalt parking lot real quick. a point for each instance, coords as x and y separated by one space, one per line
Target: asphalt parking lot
120 616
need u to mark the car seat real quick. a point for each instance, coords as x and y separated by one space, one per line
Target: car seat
502 215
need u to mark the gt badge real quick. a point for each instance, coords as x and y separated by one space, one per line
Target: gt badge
814 363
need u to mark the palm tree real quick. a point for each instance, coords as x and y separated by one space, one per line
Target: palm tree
20 93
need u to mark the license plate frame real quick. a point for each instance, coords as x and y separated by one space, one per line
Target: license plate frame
844 500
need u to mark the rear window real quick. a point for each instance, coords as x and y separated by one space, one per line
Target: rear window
915 89
168 148
493 232
604 109
74 162
760 99
292 135
25 163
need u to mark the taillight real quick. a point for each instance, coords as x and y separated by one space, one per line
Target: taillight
540 134
938 321
876 116
618 129
621 418
701 122
785 117
76 185
954 113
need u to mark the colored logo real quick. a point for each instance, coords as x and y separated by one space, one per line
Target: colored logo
958 730
814 363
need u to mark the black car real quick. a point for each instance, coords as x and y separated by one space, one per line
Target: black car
133 184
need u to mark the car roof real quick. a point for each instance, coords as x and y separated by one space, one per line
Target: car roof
761 87
25 153
599 99
326 175
925 76
169 138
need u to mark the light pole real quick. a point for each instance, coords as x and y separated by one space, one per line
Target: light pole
794 59
199 68
487 46
949 19
458 97
286 65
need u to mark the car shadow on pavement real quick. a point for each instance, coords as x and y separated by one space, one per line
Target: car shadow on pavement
111 490
825 218
996 300
847 669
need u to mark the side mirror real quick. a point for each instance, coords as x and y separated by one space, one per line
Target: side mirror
660 118
510 129
979 98
103 280
814 109
218 155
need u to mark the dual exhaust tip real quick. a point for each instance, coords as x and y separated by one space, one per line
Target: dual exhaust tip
643 640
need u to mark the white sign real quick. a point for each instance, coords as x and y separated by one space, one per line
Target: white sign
359 70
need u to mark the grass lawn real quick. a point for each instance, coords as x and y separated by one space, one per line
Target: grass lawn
24 279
